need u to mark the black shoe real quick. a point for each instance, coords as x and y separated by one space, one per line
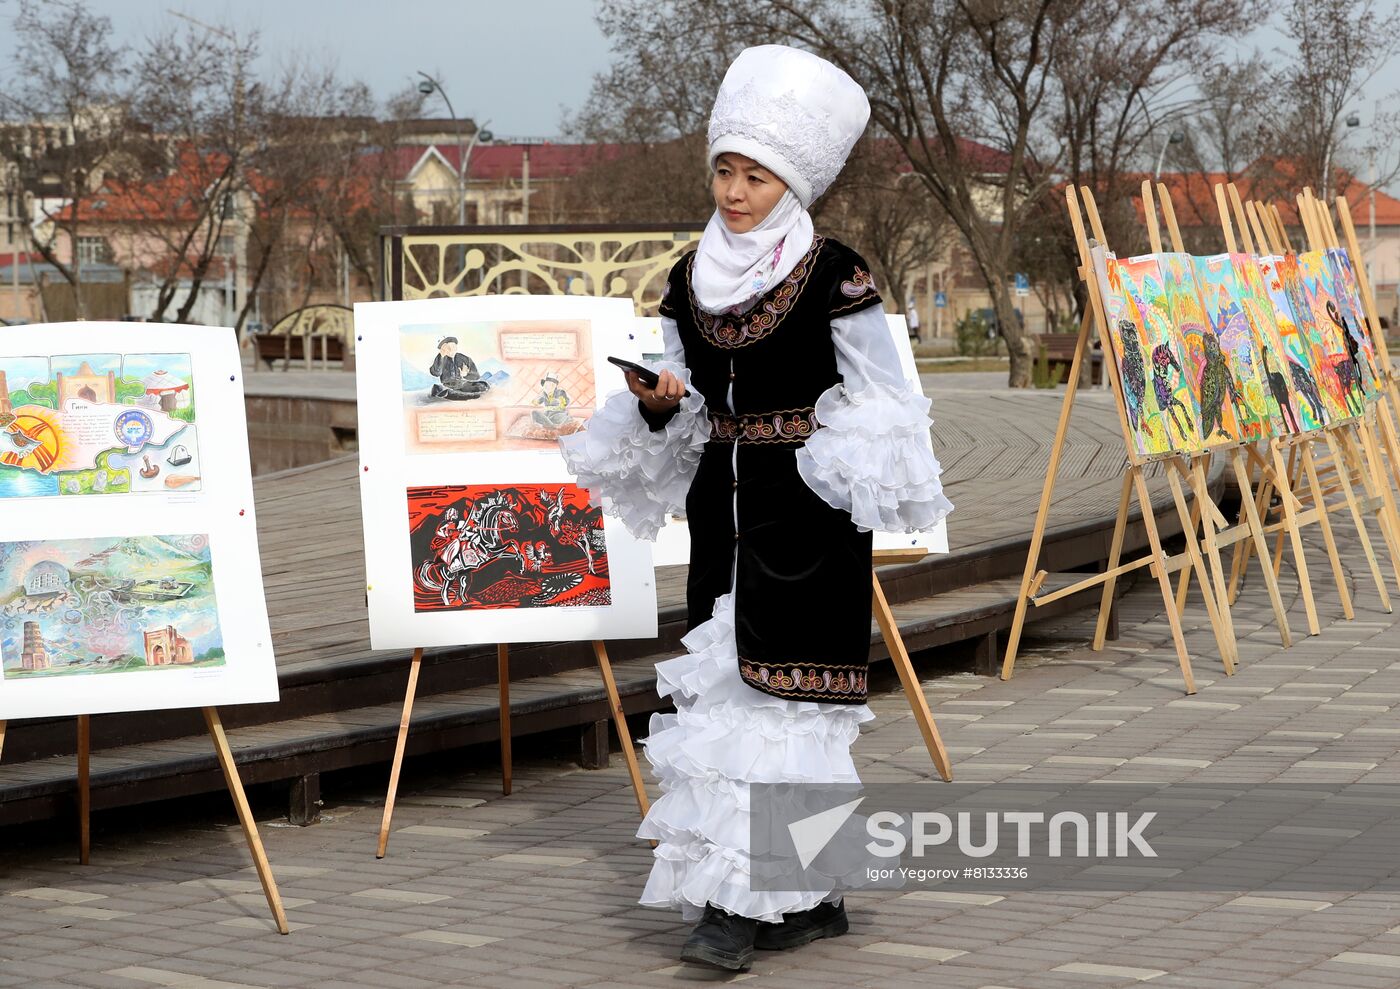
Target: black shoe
721 939
797 929
437 391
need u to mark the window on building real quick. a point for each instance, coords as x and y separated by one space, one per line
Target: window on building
224 247
94 250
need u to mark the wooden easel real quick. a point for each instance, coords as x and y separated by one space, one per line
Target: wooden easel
1301 464
1134 483
1250 529
235 788
600 653
1273 475
899 656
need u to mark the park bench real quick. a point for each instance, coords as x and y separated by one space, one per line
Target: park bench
1059 353
312 349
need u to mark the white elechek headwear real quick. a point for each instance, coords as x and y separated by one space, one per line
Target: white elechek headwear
798 116
794 113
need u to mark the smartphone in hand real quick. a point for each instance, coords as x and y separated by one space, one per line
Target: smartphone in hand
647 376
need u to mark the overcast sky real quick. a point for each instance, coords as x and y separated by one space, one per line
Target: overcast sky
521 64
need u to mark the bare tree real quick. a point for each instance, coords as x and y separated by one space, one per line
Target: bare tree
65 93
194 89
1334 49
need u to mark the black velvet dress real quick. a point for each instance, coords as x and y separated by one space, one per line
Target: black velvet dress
799 568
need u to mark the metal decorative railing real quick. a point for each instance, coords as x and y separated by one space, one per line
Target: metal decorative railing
445 262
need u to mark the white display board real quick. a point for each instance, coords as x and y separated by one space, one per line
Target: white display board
474 530
673 541
129 571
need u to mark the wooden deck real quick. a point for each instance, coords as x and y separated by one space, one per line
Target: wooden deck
340 700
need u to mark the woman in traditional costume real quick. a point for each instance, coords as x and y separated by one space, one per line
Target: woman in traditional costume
799 435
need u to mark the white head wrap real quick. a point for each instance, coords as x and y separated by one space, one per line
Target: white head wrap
798 116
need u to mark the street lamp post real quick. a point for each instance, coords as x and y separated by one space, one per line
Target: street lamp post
1175 137
427 87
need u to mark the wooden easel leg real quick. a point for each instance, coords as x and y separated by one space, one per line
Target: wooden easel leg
1293 480
1201 487
600 653
1257 528
1324 522
1115 553
1224 636
84 789
1239 559
1164 579
1354 444
1052 468
1358 519
2 737
1190 526
399 749
245 817
1368 465
1386 424
503 679
1288 503
918 703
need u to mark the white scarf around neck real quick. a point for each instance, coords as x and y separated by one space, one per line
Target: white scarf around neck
733 269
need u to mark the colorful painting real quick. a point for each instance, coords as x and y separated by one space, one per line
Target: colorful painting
495 386
1358 332
1257 412
1141 279
486 547
1279 361
97 424
1132 349
1209 376
78 607
1317 402
1319 294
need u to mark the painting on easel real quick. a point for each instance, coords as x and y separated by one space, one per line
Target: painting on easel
1145 366
1141 280
1315 281
1317 404
1212 383
129 571
1278 362
474 530
1223 298
507 546
1358 335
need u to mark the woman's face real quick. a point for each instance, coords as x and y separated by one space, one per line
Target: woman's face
745 192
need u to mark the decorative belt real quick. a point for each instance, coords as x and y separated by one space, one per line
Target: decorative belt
788 426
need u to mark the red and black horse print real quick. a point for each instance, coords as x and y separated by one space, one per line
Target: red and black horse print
486 546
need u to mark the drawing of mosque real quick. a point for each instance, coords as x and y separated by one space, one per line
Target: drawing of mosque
87 384
166 647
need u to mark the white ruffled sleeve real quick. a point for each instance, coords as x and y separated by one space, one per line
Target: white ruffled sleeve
640 470
872 457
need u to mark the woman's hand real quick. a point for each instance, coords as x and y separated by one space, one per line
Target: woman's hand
666 395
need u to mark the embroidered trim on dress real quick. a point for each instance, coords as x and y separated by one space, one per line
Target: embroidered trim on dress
731 331
860 288
782 426
842 682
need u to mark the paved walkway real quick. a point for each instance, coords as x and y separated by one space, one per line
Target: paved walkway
538 889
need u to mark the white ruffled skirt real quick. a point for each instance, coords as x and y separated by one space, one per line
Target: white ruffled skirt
724 736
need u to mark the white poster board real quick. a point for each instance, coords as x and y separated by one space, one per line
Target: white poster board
673 541
474 530
129 571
